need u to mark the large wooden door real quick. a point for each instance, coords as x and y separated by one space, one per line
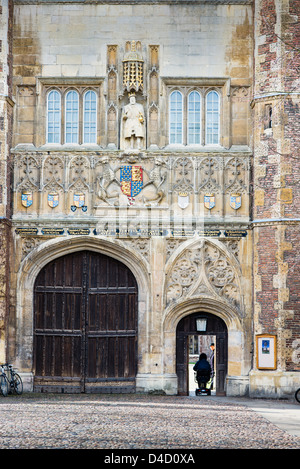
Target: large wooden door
85 327
186 327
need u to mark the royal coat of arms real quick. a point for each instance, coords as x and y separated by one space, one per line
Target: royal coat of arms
209 201
235 201
131 178
53 200
27 199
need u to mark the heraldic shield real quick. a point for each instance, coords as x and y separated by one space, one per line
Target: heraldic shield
27 199
183 200
53 199
209 201
131 178
235 201
79 200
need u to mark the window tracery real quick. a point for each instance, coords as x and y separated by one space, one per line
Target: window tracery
71 116
194 117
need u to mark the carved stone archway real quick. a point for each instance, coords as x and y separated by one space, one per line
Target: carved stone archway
202 276
237 380
204 268
187 328
50 250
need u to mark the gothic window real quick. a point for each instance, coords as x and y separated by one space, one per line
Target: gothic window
90 117
194 118
176 117
268 117
53 117
212 118
72 117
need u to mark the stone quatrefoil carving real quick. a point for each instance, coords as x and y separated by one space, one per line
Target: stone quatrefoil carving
101 174
204 271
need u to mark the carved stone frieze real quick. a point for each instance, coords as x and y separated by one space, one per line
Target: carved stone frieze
210 170
80 173
53 173
183 172
141 245
28 172
235 171
204 269
171 245
29 244
240 92
233 246
145 180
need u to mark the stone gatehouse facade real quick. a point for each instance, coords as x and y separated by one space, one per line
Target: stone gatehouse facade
149 167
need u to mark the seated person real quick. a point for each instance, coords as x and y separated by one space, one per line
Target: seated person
203 368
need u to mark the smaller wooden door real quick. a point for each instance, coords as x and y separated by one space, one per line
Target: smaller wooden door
186 327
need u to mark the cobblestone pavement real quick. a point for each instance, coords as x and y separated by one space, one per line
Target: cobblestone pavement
134 421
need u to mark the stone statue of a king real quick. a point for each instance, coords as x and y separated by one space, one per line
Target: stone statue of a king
133 125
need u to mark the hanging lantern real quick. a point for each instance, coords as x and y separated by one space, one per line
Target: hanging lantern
201 324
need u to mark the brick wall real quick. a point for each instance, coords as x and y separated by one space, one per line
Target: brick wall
276 178
292 258
6 116
267 268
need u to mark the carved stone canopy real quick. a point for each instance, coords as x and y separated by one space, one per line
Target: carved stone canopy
133 67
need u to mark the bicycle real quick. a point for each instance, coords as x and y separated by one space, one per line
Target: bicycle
3 382
297 395
10 381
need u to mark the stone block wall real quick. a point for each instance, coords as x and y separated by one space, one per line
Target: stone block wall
201 45
87 41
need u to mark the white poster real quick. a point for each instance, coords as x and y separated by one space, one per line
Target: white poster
266 352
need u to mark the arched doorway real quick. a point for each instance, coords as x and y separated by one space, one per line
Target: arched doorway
186 328
85 325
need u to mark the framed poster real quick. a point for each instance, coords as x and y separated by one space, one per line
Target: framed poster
266 352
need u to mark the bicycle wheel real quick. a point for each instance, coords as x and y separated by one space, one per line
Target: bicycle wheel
297 395
3 386
18 385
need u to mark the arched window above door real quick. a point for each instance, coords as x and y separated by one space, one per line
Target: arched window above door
72 112
90 117
72 117
194 118
53 117
212 118
176 118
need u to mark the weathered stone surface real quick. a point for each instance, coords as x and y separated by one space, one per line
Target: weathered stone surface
208 227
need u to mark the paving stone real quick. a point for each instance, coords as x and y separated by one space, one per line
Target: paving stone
48 421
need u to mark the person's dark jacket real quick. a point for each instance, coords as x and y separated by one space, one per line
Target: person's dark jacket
202 365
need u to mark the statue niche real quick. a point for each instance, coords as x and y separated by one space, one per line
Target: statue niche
133 133
133 125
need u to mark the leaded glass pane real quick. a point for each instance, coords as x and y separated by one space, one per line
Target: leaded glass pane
212 118
90 117
72 117
194 118
53 117
176 117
